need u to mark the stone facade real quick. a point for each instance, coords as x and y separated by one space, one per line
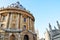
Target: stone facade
16 23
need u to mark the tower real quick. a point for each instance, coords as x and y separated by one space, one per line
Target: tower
58 24
47 35
50 27
16 23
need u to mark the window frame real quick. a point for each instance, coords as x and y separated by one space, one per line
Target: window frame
24 19
24 27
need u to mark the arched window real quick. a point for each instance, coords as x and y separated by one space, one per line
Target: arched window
24 28
2 25
26 37
12 37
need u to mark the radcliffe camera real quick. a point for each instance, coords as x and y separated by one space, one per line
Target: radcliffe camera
29 19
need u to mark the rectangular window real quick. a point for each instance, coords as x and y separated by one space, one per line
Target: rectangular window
4 17
24 19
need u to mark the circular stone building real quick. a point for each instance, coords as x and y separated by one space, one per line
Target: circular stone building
16 23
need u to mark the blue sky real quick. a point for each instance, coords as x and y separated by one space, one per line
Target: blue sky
44 11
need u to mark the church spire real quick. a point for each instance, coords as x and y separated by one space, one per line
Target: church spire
54 27
50 27
58 24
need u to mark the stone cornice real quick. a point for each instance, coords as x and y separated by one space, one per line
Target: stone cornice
18 11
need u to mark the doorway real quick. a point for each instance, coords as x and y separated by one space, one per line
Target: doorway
26 37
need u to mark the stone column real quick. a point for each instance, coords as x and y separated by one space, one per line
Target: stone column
21 22
0 17
10 21
28 22
33 26
7 21
0 20
17 21
30 25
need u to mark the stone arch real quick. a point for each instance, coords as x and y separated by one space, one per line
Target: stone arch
26 37
12 37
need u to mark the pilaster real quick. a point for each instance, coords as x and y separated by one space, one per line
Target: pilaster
21 22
